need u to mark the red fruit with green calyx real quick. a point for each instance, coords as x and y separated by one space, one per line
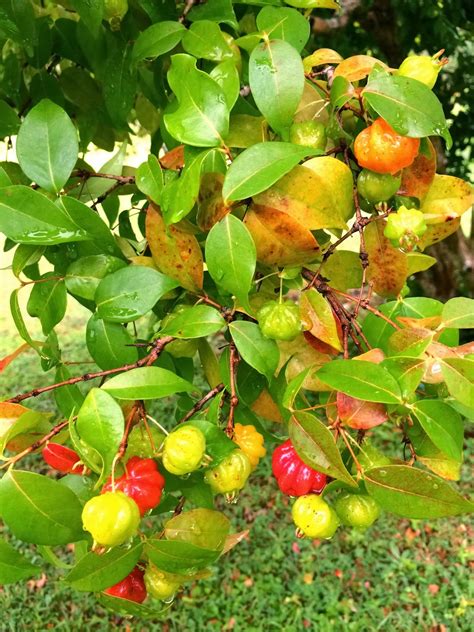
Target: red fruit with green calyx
63 459
131 587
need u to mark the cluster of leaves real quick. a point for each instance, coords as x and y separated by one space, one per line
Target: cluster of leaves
228 219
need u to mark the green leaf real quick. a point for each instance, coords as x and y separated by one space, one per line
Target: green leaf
20 322
260 166
109 344
68 398
215 10
47 146
84 275
458 374
91 12
127 608
9 121
409 106
442 424
412 493
100 425
119 83
178 557
315 445
39 510
96 572
48 301
363 380
227 77
130 293
202 527
276 78
30 426
195 322
28 217
147 383
218 444
458 313
202 116
26 255
258 351
407 371
149 178
157 40
231 257
13 566
93 188
205 40
285 24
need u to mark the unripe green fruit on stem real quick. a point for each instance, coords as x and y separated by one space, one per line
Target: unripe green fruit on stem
111 518
357 510
184 450
231 474
309 133
377 187
314 517
405 227
144 442
422 68
159 584
279 321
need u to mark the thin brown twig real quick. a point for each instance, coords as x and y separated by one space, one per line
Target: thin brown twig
234 360
202 402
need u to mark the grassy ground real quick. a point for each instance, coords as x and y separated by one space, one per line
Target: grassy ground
400 575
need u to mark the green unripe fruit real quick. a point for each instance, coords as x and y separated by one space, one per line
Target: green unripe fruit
183 450
405 227
111 518
143 442
309 133
314 517
377 187
357 510
231 474
114 12
279 321
422 68
160 584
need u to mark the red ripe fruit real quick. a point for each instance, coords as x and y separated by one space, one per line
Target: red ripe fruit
63 459
131 587
294 477
142 482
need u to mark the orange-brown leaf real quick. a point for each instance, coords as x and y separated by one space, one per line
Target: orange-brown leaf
388 266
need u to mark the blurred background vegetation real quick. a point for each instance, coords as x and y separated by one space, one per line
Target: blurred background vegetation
400 575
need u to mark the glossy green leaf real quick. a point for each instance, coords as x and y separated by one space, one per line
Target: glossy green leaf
408 105
39 510
218 444
28 217
68 398
48 301
315 444
205 40
458 313
442 424
407 371
9 121
13 566
276 78
126 608
91 12
110 344
202 116
100 426
178 557
231 257
202 527
26 255
412 493
284 24
19 321
363 380
119 83
130 293
258 351
158 39
260 166
227 76
195 322
84 275
95 572
458 374
47 146
215 10
149 178
147 383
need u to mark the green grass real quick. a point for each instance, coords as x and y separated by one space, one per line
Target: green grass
400 575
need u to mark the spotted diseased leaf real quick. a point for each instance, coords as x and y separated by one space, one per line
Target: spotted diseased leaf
175 252
412 493
447 199
315 445
437 232
211 206
418 177
318 318
279 239
388 266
